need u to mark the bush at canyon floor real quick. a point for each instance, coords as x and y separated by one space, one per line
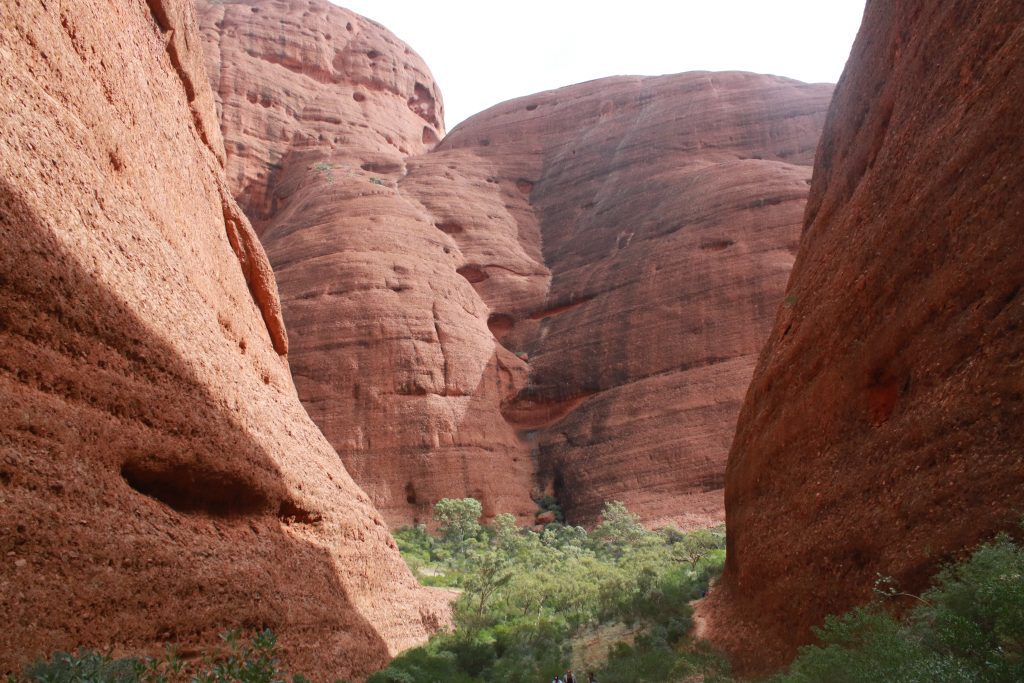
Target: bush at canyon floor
614 600
968 628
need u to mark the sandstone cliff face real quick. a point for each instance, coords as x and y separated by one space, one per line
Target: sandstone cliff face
882 431
668 211
390 351
159 478
566 294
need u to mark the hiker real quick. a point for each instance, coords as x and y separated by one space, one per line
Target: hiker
569 678
556 679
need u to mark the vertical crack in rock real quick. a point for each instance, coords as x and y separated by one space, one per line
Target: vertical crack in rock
177 29
441 341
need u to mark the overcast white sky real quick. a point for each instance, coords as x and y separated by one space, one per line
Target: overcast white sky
483 52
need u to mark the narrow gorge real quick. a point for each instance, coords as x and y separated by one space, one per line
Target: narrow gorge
260 312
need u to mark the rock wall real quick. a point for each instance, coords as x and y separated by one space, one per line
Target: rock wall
390 351
668 212
565 295
159 478
882 431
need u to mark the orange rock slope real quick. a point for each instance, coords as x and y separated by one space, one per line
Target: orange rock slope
159 479
565 295
883 430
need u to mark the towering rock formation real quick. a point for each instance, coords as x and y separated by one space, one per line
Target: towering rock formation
390 348
567 294
883 429
159 479
668 211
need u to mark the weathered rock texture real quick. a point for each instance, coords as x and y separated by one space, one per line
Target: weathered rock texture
159 479
566 294
390 347
668 210
883 429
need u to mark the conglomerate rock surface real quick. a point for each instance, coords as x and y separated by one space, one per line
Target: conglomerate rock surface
159 479
883 429
566 295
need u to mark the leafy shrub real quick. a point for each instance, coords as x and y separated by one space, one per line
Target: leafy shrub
238 661
526 595
969 627
84 665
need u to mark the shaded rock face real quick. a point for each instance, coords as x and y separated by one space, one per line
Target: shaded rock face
882 431
159 478
564 295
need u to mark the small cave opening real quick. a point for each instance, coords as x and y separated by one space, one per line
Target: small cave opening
558 490
882 396
410 493
472 272
423 104
383 166
450 228
500 324
430 136
192 488
716 243
291 513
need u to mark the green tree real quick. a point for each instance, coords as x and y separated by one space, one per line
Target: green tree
459 519
696 545
507 537
493 570
619 527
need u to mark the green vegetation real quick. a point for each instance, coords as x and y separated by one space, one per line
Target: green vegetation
535 604
616 601
325 169
237 661
968 628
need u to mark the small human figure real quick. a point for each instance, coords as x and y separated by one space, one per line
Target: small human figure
569 677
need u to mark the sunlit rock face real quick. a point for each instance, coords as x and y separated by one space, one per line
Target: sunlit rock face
566 295
324 114
159 478
667 212
882 431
